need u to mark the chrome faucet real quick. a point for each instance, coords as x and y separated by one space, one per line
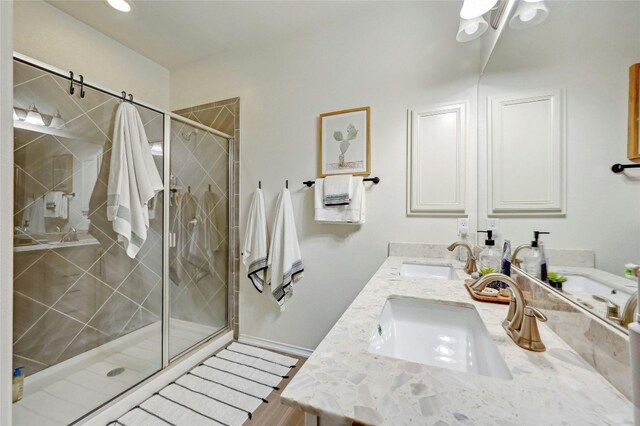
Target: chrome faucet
67 236
613 309
470 267
514 257
521 321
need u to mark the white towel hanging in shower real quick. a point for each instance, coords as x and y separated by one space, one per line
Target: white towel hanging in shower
133 179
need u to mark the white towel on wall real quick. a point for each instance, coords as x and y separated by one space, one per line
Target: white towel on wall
133 179
34 216
352 214
337 190
285 260
254 250
56 205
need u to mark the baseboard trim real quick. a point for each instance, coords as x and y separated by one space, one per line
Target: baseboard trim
161 379
277 346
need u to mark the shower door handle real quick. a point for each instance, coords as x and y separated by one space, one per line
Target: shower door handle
172 239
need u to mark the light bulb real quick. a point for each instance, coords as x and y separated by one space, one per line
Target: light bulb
57 122
471 28
120 5
475 8
33 116
528 14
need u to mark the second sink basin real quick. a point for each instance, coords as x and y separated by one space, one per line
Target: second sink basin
437 334
428 271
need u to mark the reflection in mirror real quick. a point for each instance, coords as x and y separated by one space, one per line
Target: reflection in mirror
552 119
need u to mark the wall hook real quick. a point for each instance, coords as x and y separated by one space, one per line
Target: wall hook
259 184
130 98
287 184
124 96
209 187
71 88
81 85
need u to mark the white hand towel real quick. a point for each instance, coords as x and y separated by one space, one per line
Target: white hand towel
352 214
185 225
205 239
56 205
254 250
34 216
133 179
337 190
285 261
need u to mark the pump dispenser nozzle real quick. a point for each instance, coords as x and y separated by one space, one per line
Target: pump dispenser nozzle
489 241
536 235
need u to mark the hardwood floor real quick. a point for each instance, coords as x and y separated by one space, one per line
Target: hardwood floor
274 413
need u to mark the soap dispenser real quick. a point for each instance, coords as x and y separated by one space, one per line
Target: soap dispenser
489 256
17 384
533 261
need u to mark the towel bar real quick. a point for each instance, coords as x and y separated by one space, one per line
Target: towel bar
375 180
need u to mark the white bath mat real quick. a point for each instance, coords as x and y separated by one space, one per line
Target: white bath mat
223 390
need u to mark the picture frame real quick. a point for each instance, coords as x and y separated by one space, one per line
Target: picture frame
633 144
345 142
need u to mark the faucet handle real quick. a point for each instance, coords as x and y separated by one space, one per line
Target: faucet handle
613 310
529 335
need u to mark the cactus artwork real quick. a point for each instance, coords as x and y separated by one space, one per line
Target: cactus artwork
352 132
344 142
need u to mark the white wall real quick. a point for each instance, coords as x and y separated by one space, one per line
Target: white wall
585 48
43 32
391 57
6 211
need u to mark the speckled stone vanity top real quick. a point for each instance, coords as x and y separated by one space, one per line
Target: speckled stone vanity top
343 382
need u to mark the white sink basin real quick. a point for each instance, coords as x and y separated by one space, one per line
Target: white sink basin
582 284
428 271
437 334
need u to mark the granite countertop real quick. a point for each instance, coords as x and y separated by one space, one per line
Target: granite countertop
84 239
343 382
624 287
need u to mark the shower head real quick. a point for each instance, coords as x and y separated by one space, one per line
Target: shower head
187 136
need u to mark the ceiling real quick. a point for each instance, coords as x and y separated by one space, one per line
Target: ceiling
176 33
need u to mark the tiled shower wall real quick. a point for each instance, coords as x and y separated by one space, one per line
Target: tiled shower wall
225 117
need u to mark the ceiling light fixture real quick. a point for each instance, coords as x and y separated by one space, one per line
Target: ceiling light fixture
474 8
120 5
471 29
528 14
33 116
56 121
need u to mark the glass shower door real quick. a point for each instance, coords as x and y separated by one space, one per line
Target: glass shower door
87 318
198 254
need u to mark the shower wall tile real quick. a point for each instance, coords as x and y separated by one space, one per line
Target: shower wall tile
114 315
48 338
27 312
82 300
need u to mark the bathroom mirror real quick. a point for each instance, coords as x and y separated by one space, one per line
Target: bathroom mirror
552 120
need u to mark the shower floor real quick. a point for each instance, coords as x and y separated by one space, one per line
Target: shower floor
65 392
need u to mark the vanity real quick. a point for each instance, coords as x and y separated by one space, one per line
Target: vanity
458 371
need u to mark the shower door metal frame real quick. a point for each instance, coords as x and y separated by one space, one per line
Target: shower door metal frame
166 358
6 344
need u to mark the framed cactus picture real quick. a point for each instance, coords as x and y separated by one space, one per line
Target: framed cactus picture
345 146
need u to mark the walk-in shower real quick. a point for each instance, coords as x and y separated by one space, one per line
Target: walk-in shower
89 321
